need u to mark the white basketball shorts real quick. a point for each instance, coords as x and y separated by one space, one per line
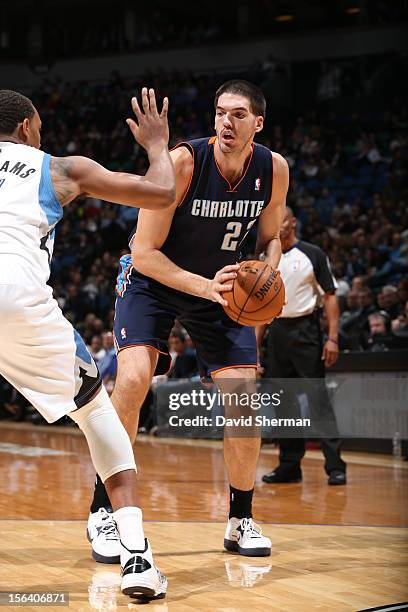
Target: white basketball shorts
41 354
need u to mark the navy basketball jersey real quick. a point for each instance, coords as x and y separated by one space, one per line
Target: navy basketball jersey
213 219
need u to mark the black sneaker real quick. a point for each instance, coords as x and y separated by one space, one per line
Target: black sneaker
337 477
281 476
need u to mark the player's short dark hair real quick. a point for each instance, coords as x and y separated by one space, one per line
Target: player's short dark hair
14 108
248 90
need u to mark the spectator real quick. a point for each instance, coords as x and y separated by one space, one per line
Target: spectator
352 305
403 291
96 349
388 300
108 363
378 338
356 324
399 325
359 282
184 360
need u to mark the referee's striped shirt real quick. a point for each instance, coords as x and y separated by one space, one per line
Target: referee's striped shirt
307 276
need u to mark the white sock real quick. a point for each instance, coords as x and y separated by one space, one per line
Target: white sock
130 525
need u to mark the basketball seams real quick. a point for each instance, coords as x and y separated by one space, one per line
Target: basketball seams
259 311
266 266
252 320
271 300
242 288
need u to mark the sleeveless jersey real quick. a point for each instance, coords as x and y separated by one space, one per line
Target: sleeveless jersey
29 211
214 218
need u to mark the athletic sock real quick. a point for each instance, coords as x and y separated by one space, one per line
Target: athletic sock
129 521
240 503
100 498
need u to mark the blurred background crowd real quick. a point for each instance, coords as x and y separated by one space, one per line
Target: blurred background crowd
347 152
97 27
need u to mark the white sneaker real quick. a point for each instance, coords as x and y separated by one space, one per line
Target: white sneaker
103 534
245 537
140 577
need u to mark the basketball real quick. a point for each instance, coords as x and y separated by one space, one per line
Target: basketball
257 295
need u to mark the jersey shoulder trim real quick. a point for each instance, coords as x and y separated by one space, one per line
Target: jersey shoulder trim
272 172
188 146
46 194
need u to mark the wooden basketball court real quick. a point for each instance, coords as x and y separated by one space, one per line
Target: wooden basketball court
334 548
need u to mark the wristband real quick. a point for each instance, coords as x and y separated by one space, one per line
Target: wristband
332 340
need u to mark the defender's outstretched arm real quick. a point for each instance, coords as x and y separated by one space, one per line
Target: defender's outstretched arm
73 176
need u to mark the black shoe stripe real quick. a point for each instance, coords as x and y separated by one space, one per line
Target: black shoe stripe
136 565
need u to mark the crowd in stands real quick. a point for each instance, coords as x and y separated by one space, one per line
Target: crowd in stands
348 190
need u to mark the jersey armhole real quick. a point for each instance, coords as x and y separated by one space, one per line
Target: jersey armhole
188 146
270 197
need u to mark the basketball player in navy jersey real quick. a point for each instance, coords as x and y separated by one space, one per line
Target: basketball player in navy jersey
182 261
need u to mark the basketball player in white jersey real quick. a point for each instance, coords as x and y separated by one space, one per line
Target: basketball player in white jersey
40 352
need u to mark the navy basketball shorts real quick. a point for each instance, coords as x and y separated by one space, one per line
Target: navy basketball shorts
147 310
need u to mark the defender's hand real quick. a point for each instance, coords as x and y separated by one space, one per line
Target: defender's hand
151 130
221 282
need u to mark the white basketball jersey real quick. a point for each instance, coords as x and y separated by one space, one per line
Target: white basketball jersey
29 212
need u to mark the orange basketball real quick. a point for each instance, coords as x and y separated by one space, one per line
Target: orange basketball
257 296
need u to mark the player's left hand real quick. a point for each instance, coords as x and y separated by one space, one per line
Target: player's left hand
330 353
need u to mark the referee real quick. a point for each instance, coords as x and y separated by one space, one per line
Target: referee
295 349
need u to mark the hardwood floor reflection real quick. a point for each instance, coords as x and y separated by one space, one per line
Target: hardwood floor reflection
335 549
47 473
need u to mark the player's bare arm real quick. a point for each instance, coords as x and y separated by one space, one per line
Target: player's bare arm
151 233
73 176
268 239
270 221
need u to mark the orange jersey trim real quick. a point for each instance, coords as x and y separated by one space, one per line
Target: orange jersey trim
119 350
272 175
232 189
234 367
122 348
191 149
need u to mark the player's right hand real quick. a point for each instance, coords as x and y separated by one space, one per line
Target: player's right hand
152 129
221 282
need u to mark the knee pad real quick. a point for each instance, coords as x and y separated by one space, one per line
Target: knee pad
108 441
